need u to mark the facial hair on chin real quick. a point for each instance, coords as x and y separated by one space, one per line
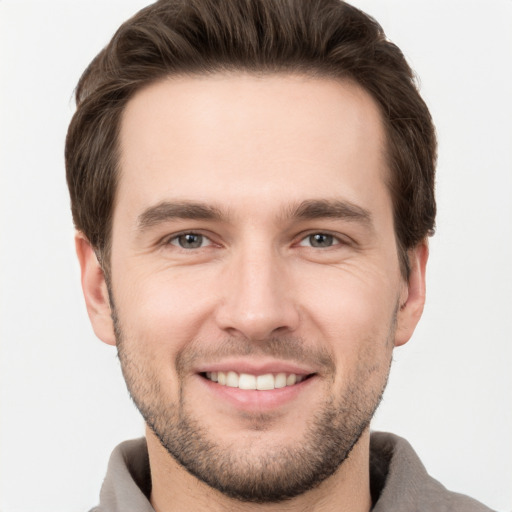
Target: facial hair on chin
281 472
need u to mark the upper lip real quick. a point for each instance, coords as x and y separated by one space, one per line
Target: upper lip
253 367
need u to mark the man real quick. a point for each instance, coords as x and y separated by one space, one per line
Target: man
252 185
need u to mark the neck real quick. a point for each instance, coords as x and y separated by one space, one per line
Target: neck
174 489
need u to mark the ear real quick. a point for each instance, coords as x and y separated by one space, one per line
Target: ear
95 290
412 298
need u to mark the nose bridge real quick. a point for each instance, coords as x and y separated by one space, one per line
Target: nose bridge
256 301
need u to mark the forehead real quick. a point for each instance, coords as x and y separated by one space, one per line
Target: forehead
237 136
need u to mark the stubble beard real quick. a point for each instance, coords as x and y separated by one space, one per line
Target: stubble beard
271 476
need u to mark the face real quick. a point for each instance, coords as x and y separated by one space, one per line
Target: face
255 280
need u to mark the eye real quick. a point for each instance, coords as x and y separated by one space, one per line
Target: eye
319 240
190 241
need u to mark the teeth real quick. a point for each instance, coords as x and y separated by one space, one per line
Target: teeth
261 382
265 382
247 381
280 380
232 379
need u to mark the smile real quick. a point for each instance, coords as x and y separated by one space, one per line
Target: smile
248 381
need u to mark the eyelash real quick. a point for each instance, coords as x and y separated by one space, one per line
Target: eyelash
333 240
176 237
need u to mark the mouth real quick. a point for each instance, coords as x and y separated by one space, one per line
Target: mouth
248 381
258 385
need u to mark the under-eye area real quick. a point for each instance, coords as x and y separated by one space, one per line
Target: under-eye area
265 382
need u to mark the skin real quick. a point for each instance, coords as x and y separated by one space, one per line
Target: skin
254 149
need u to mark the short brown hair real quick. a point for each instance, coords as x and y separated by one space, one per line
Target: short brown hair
313 37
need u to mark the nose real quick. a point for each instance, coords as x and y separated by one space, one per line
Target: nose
257 296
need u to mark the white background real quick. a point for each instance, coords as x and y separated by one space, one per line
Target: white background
63 402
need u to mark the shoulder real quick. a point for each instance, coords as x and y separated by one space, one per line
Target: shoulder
402 483
127 485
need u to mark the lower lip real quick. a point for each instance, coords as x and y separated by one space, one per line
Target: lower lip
256 400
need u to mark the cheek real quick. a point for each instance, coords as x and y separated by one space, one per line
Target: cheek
163 310
353 312
350 299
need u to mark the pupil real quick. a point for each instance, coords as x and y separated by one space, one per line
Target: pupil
321 240
190 241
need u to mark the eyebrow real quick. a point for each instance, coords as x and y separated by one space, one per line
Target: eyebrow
305 210
330 209
166 211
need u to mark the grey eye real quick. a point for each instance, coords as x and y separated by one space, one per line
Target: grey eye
320 240
189 241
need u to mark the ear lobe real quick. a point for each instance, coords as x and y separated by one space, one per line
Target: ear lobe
413 298
95 291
